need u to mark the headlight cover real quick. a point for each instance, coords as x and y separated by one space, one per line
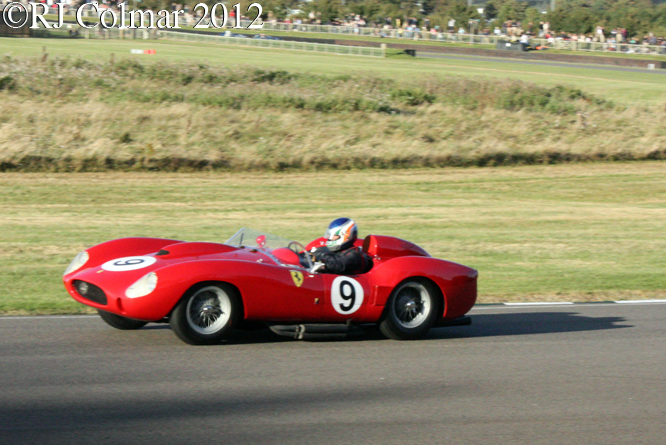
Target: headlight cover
144 285
78 261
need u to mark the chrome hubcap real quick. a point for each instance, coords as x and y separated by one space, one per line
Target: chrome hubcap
412 305
208 310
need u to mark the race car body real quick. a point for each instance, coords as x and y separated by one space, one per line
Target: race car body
205 290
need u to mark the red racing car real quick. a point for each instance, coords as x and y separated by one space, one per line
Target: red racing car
206 290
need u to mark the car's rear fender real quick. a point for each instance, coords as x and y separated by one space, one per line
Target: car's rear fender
456 282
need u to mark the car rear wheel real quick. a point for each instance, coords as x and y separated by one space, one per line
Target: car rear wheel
207 314
411 311
118 322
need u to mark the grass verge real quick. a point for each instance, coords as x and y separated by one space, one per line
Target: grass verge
537 233
73 114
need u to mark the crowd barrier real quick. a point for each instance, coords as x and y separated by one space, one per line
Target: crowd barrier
469 39
96 33
145 34
274 44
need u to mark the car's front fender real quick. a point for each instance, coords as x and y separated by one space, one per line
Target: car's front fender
255 281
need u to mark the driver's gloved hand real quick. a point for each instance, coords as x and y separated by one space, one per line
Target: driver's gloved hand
318 267
319 253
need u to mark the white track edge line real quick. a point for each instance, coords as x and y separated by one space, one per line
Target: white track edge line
540 303
506 308
639 301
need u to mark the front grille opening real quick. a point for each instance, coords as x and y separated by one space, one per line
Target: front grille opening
89 291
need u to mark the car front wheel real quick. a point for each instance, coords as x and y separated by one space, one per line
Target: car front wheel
207 314
118 322
411 311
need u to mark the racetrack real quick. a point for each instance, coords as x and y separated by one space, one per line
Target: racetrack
549 374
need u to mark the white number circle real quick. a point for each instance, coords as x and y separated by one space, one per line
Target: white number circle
128 263
346 295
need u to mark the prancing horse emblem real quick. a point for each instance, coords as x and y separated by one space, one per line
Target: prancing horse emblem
297 277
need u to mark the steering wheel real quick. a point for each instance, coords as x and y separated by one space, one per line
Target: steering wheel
297 247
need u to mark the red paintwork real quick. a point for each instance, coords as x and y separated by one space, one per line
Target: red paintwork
286 256
268 291
388 247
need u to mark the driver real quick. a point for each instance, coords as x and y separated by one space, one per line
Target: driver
339 256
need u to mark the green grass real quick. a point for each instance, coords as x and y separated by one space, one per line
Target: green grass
188 117
565 232
619 86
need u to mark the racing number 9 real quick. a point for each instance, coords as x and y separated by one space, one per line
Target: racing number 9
128 262
346 295
349 295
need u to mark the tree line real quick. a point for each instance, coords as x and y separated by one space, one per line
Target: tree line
638 17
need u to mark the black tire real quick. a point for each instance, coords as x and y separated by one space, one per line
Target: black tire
411 310
207 314
118 322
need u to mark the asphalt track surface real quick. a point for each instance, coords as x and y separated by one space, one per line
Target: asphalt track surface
592 374
541 63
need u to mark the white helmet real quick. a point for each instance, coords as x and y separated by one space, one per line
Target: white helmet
341 234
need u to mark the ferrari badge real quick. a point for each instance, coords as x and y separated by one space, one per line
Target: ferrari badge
297 277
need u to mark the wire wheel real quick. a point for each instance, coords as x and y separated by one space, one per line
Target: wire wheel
208 310
412 304
411 310
207 313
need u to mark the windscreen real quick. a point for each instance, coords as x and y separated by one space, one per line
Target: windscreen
267 243
255 238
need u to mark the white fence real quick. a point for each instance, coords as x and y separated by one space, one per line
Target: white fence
470 39
274 44
144 34
96 33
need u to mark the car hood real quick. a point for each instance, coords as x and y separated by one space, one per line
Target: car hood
118 279
194 249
